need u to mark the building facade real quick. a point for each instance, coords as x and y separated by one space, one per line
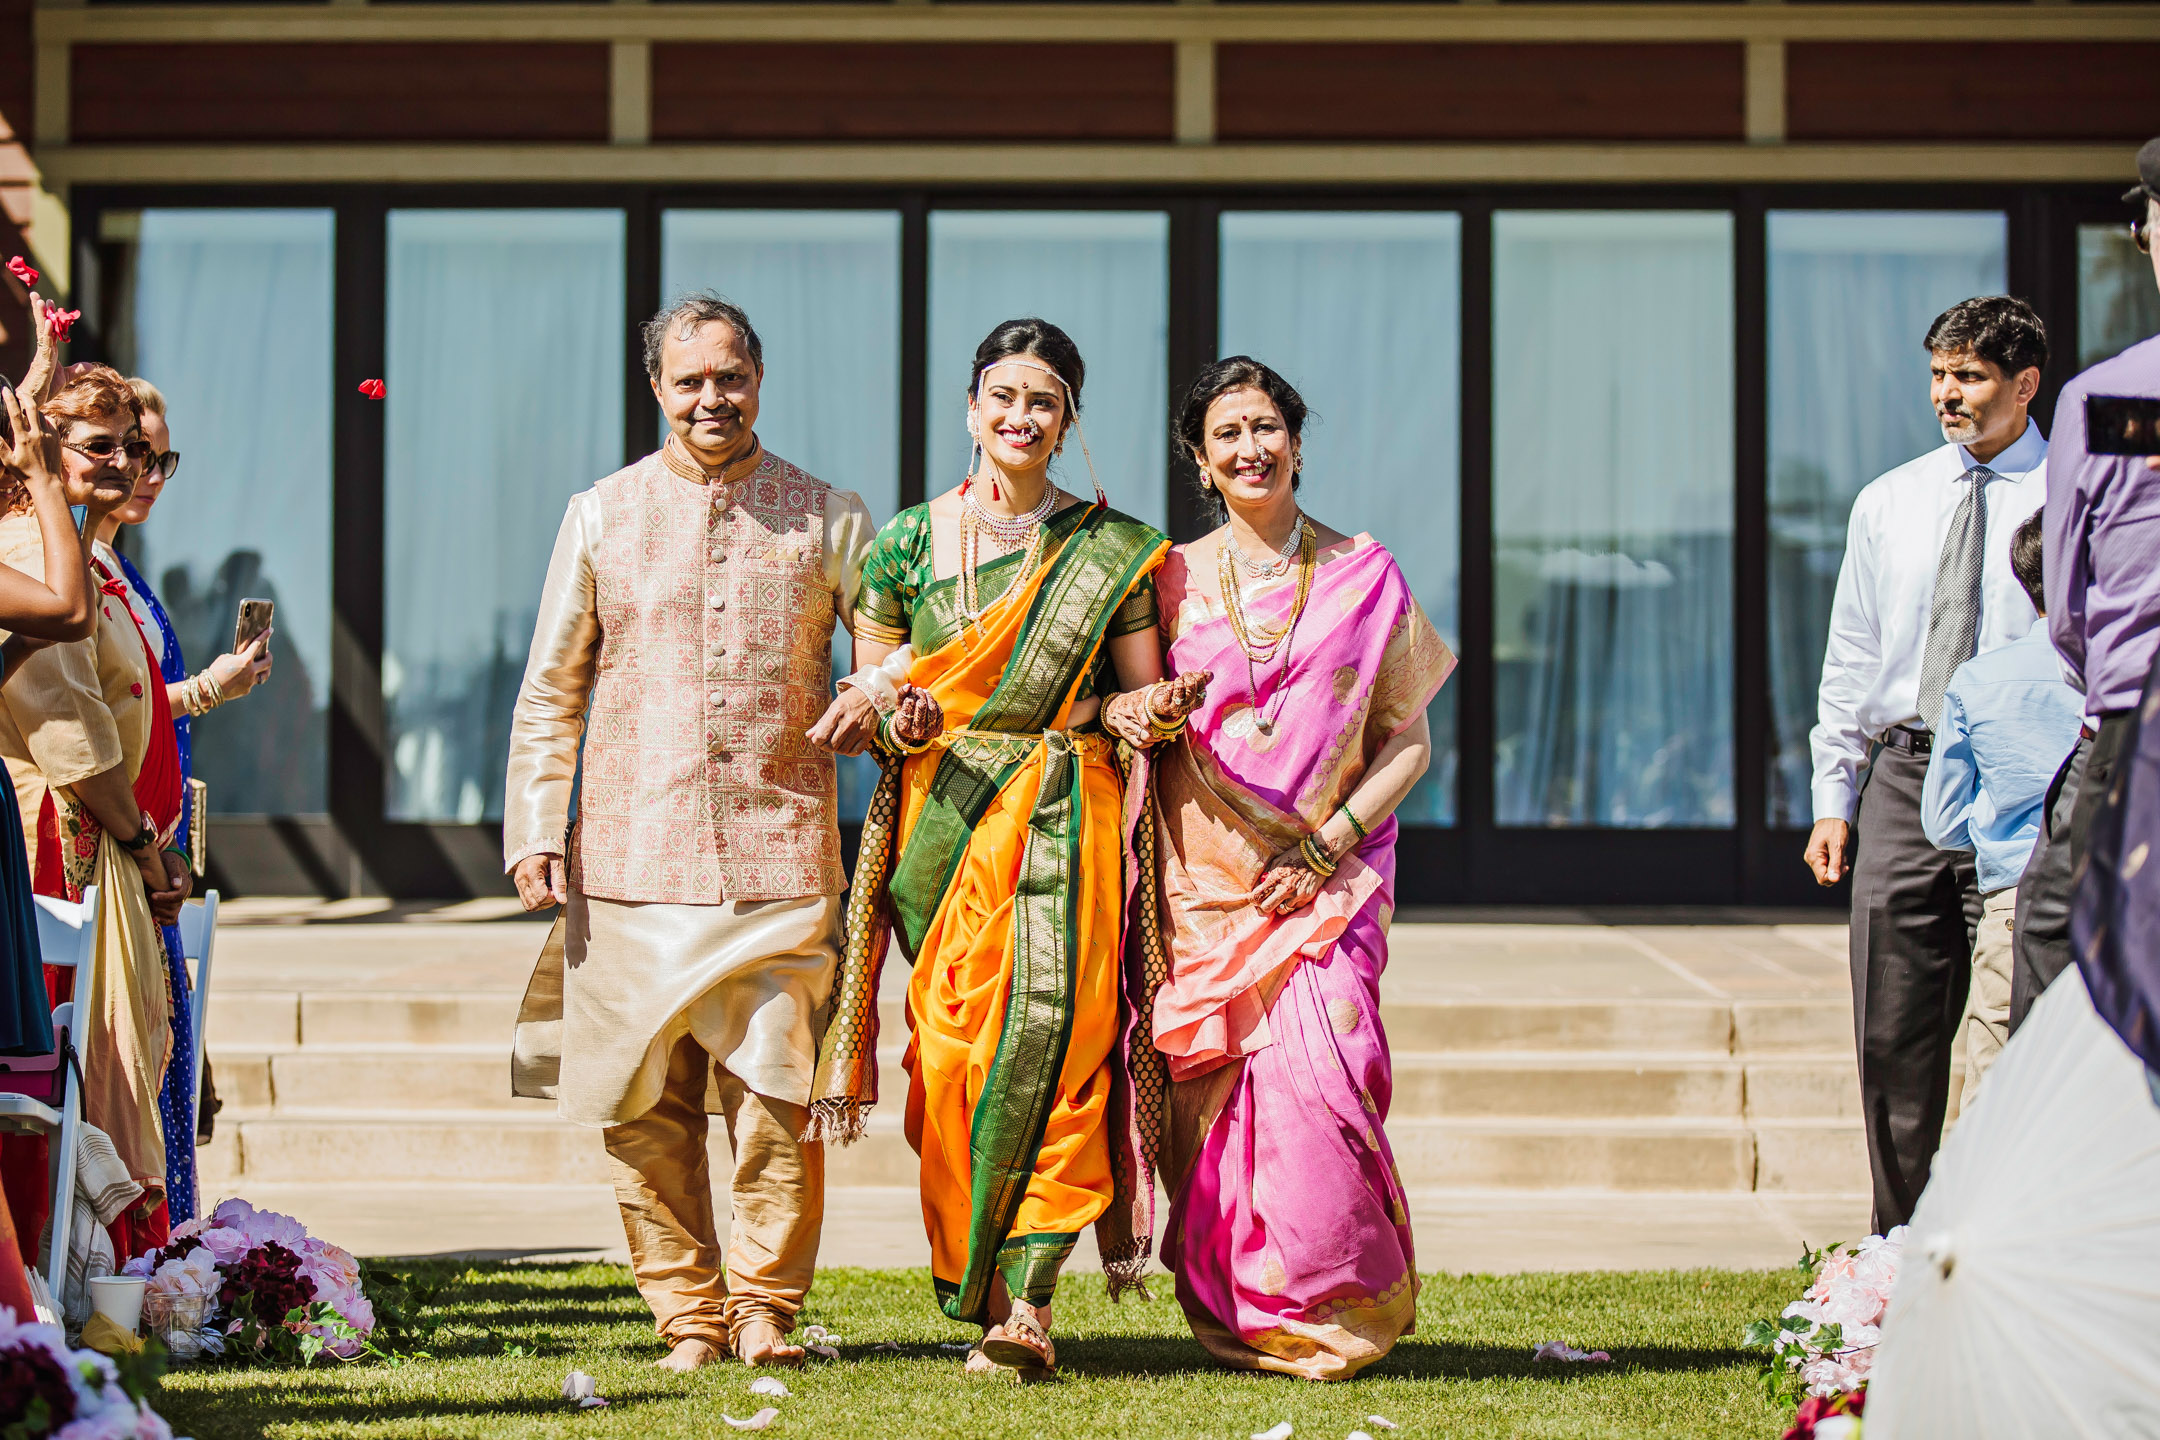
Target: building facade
1605 312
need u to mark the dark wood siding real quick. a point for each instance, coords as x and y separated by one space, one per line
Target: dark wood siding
1469 92
2038 93
282 94
911 92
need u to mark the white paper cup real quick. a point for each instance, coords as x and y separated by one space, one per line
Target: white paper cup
118 1298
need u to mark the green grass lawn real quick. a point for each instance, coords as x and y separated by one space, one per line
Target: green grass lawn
509 1333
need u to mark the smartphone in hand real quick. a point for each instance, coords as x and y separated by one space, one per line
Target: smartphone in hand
254 620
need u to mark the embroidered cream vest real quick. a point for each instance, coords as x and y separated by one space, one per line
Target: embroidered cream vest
716 622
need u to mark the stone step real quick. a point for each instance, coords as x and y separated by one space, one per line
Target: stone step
1520 1154
496 1147
1820 1088
279 1020
425 1079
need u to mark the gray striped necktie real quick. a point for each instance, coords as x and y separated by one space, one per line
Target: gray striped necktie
1954 618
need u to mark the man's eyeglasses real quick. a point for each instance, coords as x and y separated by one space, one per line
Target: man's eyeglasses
2141 235
167 463
103 450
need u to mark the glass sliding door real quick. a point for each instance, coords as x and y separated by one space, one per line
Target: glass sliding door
1102 276
1613 518
2118 304
505 371
823 289
1851 296
229 314
1362 312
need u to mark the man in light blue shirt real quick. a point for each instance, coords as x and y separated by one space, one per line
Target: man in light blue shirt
2008 720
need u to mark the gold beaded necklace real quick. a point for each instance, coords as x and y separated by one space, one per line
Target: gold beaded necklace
971 533
1260 643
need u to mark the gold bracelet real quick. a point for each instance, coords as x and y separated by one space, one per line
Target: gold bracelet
1316 858
1160 728
894 743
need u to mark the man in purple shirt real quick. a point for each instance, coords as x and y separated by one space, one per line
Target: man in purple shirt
2103 605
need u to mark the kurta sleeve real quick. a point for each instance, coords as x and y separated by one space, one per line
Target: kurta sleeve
849 533
55 699
549 720
1135 613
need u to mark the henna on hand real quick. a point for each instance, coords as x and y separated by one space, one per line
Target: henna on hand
919 718
1174 699
1125 715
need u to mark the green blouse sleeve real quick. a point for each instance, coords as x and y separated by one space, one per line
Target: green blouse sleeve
892 578
1136 612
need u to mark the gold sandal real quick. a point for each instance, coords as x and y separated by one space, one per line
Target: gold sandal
1020 1344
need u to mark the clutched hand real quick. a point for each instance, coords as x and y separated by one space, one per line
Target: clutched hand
1176 698
1287 884
918 719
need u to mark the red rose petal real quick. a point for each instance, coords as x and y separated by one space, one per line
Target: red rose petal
373 389
22 270
61 321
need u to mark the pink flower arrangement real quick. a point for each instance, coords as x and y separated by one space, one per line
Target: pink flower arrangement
1822 1346
51 1391
238 1251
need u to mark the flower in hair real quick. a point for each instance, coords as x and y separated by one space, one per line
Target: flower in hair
61 321
374 389
22 270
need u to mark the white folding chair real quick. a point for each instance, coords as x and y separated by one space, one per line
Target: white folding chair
36 1095
198 937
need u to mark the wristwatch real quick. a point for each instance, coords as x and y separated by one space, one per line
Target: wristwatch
145 837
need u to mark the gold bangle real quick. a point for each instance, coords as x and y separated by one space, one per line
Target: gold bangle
1160 728
1316 858
894 743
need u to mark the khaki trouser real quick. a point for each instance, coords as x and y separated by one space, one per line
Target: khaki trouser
663 1184
1987 1012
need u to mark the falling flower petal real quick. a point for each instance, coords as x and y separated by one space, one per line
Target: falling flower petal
768 1385
1554 1350
61 321
577 1385
1381 1422
593 1402
758 1421
22 270
1280 1432
373 389
817 1332
829 1352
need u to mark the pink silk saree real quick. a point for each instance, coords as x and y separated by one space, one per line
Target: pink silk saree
1289 1230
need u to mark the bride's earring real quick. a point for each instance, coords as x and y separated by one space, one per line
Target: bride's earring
974 458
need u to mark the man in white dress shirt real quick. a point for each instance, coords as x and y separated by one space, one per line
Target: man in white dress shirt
1926 584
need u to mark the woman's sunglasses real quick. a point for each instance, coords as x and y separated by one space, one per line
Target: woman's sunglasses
167 463
103 449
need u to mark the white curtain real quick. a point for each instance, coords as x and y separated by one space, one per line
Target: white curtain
1103 277
2117 302
823 289
1851 296
1613 517
505 373
231 319
1362 312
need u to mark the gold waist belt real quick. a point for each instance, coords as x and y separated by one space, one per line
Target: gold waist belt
1000 747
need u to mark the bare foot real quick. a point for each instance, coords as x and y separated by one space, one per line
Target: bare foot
689 1354
760 1342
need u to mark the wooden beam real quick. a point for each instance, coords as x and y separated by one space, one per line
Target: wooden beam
1363 165
630 92
1765 92
1218 24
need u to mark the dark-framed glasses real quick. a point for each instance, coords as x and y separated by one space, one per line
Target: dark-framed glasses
2141 234
167 463
103 448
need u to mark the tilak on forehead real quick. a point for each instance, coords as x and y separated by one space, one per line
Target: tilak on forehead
1028 362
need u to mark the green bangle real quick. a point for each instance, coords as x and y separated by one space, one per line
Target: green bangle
1355 824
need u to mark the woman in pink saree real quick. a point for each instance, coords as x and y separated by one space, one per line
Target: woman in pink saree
1289 1230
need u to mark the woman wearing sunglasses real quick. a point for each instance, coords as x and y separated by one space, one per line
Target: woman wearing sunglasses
87 735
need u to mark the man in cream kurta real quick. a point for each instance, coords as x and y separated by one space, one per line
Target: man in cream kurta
684 636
